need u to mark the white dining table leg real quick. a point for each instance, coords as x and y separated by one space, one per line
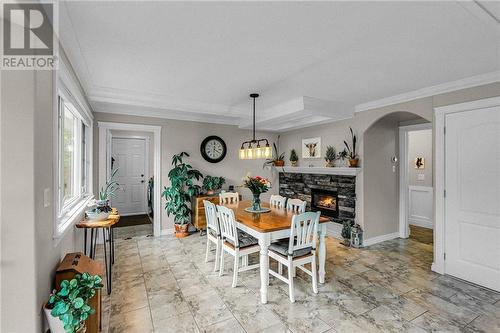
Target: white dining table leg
264 267
322 252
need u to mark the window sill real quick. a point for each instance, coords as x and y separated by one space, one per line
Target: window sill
65 222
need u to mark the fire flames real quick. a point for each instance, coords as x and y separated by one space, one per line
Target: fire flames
328 202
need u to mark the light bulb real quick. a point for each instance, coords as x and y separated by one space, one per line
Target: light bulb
267 152
250 153
258 152
242 154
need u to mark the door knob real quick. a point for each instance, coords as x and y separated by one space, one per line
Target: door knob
142 175
142 181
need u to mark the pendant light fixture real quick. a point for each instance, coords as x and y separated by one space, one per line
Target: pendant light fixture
252 149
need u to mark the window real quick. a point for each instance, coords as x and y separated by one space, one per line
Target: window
73 181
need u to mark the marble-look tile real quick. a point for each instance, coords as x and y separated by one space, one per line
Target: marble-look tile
298 319
483 324
178 323
165 304
388 320
227 326
342 320
433 322
208 308
476 305
404 307
138 320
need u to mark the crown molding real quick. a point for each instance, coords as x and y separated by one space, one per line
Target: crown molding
469 82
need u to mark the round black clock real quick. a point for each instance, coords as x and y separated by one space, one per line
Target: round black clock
213 149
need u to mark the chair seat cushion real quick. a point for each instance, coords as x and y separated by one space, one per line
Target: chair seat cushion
244 240
281 247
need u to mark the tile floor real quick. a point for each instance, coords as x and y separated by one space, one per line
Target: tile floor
163 285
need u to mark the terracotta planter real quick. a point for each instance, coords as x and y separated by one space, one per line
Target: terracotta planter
353 162
279 163
211 192
181 231
294 163
329 164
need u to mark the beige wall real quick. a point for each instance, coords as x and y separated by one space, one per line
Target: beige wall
420 145
334 133
187 136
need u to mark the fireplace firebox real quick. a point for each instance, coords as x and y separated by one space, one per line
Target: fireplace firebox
326 201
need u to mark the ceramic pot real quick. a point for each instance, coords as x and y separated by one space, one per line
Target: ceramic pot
279 163
56 325
210 192
329 164
353 162
294 163
181 231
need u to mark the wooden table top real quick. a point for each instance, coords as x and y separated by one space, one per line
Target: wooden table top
275 220
113 219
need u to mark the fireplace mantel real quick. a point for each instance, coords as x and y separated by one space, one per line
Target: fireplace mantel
341 171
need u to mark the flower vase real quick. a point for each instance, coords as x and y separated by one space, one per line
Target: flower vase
256 202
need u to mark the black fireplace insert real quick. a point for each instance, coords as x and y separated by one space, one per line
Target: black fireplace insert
326 201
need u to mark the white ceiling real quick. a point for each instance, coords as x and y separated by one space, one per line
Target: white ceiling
199 61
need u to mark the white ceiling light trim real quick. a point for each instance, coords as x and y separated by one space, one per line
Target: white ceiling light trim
469 82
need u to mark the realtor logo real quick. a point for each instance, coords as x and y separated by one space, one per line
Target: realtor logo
28 35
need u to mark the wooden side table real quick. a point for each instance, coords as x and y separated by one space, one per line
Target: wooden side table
107 235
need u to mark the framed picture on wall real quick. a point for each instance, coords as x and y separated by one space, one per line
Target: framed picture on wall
311 148
419 163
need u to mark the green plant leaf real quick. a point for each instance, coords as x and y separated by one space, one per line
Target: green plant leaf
78 302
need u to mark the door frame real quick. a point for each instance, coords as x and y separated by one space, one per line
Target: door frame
440 113
109 152
104 135
404 175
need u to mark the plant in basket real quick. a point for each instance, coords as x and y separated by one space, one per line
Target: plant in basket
256 185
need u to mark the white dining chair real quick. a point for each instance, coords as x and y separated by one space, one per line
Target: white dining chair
296 205
236 242
298 250
229 198
213 231
277 201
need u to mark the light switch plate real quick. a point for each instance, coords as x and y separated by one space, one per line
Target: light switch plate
420 176
46 197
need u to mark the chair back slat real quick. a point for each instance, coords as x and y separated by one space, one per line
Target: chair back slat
304 231
228 224
277 201
296 205
229 198
211 216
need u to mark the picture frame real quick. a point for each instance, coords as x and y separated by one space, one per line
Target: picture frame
311 147
419 163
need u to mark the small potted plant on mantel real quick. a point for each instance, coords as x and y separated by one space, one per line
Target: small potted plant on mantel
279 158
294 158
212 184
342 156
67 308
178 195
351 150
330 156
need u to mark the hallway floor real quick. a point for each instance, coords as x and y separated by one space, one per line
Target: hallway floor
164 285
422 235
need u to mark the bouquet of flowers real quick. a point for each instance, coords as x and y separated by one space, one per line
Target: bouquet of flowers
256 185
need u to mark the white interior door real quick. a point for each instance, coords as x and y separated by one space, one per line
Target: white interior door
472 203
130 159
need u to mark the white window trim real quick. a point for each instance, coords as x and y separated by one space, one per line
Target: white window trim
73 212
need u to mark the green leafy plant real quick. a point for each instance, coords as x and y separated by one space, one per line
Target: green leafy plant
182 188
293 156
278 158
70 302
211 183
342 155
111 186
330 154
351 149
346 231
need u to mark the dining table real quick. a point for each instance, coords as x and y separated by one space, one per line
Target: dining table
269 227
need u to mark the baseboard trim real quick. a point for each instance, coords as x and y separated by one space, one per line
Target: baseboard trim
421 223
379 239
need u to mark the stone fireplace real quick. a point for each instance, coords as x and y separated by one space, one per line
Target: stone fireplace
334 195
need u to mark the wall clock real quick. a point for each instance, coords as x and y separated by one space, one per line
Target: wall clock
213 149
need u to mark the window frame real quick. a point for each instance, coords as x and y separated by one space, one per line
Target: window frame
67 213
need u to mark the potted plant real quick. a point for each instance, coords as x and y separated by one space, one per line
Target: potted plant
351 149
212 184
257 185
342 156
67 308
330 156
100 208
279 158
294 158
178 195
346 232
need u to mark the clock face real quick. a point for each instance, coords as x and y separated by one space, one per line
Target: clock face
213 149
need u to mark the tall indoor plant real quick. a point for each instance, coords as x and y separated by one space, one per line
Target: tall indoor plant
178 195
351 149
67 308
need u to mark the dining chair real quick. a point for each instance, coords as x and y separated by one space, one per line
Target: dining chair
236 242
213 231
298 250
296 205
229 198
277 201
